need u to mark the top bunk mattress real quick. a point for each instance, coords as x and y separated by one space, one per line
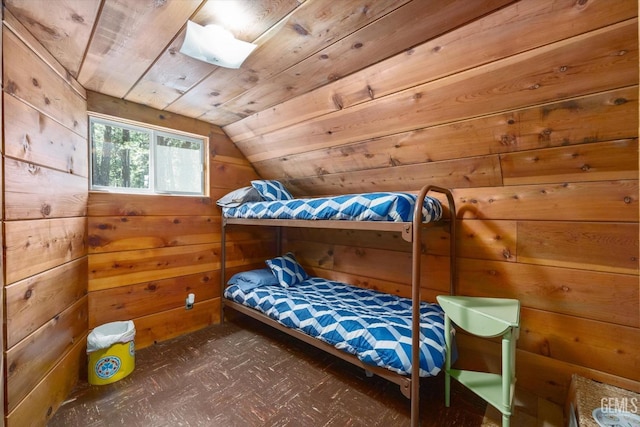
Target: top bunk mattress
381 206
374 326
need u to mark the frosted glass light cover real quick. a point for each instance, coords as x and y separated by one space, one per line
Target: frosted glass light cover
215 45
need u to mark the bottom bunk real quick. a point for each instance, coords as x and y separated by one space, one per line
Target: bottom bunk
368 328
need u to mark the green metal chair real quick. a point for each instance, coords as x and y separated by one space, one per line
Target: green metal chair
484 317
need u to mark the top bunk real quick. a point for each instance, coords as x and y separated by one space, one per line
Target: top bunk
269 203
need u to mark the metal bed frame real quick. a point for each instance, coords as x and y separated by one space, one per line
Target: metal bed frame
412 233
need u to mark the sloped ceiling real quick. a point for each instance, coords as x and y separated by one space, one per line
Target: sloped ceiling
129 49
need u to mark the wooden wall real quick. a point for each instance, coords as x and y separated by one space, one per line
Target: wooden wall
530 115
148 252
2 388
44 229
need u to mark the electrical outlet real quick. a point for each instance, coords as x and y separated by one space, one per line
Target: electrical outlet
188 303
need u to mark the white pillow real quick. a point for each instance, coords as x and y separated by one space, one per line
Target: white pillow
239 196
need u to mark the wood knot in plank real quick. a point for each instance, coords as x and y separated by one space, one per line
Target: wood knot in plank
11 87
337 100
94 241
508 139
26 142
45 209
77 18
300 30
33 169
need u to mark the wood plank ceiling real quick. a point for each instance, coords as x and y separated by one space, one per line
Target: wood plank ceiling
129 49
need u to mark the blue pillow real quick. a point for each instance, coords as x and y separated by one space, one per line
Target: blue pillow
271 190
287 270
247 280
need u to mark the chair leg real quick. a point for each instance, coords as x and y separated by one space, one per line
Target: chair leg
447 365
508 374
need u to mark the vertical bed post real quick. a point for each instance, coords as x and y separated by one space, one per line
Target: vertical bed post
223 264
278 241
415 307
415 287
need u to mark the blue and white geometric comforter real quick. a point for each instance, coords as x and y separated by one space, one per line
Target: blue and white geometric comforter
397 207
374 326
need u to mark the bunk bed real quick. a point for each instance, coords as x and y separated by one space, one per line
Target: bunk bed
274 206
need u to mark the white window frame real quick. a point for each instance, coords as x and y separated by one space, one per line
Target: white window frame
154 132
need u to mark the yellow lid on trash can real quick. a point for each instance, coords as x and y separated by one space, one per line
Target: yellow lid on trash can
111 351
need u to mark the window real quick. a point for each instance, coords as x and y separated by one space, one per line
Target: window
136 159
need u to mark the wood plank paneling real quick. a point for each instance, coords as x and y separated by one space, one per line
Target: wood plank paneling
550 378
597 61
112 234
45 267
589 162
468 172
611 247
30 360
413 23
48 395
131 302
107 204
2 279
307 30
38 245
123 44
32 81
230 175
490 240
495 36
36 192
607 297
63 30
34 45
103 104
600 117
35 138
365 266
114 269
173 74
31 302
172 323
582 342
615 201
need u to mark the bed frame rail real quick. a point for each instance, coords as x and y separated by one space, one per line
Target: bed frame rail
411 232
403 381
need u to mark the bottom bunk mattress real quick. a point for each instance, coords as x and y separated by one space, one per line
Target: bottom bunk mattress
374 326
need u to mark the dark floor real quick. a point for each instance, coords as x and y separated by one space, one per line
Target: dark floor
244 373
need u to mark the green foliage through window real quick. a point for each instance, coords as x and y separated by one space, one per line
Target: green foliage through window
134 159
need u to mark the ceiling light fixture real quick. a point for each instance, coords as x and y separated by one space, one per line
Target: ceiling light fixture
215 45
